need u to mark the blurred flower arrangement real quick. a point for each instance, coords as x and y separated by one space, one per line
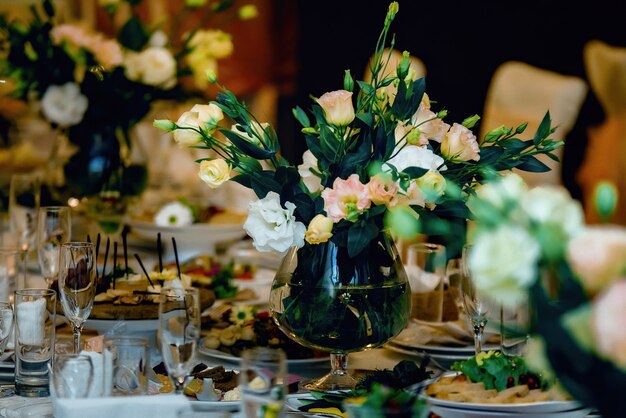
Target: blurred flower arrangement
534 242
378 155
95 87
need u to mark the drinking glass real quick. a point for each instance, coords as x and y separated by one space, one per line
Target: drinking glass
262 381
77 284
179 331
53 229
477 306
6 328
24 196
426 268
72 375
12 271
129 358
514 327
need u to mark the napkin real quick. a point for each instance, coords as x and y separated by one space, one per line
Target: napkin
31 321
420 280
153 406
102 373
450 333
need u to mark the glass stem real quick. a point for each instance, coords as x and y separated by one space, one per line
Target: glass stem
478 337
338 364
77 339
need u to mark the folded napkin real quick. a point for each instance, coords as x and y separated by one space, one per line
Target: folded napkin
420 280
450 333
31 321
153 406
102 373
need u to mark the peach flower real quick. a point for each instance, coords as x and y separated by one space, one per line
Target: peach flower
460 144
338 107
319 230
72 34
107 52
347 199
428 125
382 190
607 323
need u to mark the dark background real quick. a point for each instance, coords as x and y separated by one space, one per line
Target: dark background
461 44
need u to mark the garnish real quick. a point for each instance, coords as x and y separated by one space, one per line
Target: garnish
497 371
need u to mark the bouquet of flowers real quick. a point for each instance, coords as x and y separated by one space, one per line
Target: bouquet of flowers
379 155
96 87
534 242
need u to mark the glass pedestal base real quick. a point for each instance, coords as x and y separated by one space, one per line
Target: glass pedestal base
338 379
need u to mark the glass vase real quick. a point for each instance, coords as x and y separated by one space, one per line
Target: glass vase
327 300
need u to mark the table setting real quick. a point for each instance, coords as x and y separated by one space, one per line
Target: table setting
396 272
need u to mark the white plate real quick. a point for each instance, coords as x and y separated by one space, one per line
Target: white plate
529 407
125 325
444 412
219 355
197 405
443 361
190 240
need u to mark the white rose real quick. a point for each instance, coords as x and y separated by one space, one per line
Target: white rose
272 227
414 156
503 263
433 185
338 107
554 205
158 39
64 105
319 230
174 214
460 144
199 117
607 323
598 256
154 66
310 180
214 172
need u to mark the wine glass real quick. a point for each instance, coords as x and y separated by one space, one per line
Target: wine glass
77 284
53 229
477 306
179 331
6 328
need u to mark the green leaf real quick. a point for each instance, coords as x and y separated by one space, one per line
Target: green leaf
301 116
220 6
359 235
533 165
366 88
250 164
366 118
246 146
415 172
543 130
329 144
133 36
48 7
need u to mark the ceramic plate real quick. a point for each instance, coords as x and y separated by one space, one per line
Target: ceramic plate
440 360
526 408
473 413
219 355
197 405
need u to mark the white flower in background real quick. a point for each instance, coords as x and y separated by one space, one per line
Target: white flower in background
272 227
414 156
319 230
428 124
198 117
433 185
214 172
174 214
158 39
154 66
338 107
64 105
212 43
554 205
506 190
607 323
460 144
310 180
503 263
598 256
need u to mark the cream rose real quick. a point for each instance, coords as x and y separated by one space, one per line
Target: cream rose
319 230
460 144
607 323
214 172
338 107
199 117
433 185
503 263
598 256
312 182
154 66
272 227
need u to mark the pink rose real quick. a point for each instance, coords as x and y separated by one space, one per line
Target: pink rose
72 34
460 144
598 256
382 190
338 107
107 52
347 199
607 323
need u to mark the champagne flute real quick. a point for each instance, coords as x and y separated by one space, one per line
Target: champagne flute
179 331
77 284
6 326
53 229
476 305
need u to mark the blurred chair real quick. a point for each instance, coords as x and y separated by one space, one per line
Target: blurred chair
520 93
605 157
396 56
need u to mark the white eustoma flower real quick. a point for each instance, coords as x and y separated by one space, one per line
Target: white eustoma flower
64 105
272 227
310 180
503 263
554 205
154 66
174 214
414 156
509 188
